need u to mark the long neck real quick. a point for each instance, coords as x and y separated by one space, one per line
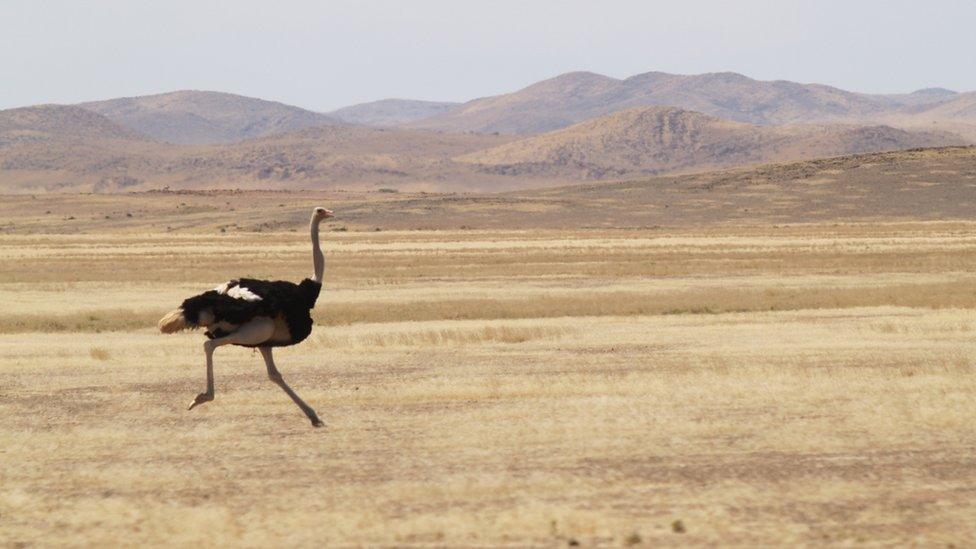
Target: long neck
318 260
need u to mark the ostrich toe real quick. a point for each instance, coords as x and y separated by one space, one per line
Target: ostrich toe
200 399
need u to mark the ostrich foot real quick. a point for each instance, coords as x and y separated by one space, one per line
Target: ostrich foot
316 422
201 398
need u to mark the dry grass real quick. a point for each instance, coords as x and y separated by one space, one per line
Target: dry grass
427 338
804 385
99 353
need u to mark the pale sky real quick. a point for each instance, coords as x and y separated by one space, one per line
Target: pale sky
328 54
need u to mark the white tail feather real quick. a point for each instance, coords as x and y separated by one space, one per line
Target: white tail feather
173 322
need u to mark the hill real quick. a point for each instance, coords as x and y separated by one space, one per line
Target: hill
45 123
354 157
205 117
391 112
956 113
961 107
574 97
924 98
918 185
652 140
71 149
351 157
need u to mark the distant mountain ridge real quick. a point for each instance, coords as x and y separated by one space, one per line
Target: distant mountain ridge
960 108
574 97
204 117
651 140
391 112
66 148
605 129
925 96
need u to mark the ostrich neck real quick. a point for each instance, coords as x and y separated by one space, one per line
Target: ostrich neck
318 260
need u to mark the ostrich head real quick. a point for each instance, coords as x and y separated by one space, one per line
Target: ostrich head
321 213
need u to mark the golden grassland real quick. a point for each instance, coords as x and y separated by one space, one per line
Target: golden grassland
800 384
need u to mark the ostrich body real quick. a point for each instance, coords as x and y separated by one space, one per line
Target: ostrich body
253 313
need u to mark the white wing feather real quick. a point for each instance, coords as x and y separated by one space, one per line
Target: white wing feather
237 292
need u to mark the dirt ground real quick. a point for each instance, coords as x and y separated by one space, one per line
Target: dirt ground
779 385
882 188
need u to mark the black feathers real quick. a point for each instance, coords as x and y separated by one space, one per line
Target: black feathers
240 301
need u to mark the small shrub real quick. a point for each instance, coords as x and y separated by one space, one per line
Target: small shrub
99 353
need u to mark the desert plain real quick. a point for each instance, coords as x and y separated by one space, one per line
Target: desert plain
774 379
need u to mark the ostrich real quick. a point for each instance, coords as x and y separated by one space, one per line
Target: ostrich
252 313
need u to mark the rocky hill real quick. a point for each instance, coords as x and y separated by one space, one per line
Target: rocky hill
45 123
58 148
205 117
651 140
574 97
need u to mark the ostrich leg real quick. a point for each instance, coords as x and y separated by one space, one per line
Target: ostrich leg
275 376
254 332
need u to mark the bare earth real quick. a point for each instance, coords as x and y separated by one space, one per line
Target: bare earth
916 185
770 384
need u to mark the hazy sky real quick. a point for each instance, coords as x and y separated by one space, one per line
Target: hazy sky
323 55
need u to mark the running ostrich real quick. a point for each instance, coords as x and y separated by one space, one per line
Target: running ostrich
255 313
